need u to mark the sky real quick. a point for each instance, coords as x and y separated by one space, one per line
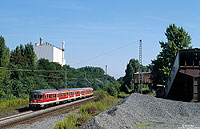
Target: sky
98 32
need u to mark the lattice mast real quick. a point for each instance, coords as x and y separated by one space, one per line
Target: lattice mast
140 66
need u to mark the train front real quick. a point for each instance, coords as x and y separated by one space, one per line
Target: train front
35 99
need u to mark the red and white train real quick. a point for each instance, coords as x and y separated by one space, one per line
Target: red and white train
43 98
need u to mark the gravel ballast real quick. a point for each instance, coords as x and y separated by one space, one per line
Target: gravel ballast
45 123
145 111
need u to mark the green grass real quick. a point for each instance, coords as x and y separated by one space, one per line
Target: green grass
123 95
102 102
143 125
11 105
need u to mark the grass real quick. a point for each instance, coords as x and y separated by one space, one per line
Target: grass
102 102
7 106
143 125
122 95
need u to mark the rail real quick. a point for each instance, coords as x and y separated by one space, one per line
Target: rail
30 116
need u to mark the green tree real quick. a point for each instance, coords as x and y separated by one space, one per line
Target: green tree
4 53
4 62
131 68
30 55
113 88
177 38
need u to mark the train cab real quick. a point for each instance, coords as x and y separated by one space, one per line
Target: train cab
37 98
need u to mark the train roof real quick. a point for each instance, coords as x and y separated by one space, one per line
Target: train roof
75 89
52 90
43 90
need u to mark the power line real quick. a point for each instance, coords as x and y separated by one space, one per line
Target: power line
29 70
108 52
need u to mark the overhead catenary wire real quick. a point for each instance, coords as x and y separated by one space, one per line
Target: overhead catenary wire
29 70
106 53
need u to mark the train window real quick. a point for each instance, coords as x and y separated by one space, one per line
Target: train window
66 94
35 96
72 93
40 96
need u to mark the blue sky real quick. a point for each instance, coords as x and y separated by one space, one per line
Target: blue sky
94 27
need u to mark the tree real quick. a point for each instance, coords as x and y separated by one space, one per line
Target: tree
23 57
177 38
30 55
4 53
131 68
4 62
113 88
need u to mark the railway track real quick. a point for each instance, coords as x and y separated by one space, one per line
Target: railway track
31 116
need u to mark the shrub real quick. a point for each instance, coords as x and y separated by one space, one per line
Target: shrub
13 104
100 95
113 89
69 123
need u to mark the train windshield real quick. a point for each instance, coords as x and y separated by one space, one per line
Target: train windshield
36 96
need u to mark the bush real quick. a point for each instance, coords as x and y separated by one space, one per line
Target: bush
69 123
113 89
13 104
100 94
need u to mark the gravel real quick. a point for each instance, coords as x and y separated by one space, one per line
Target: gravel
45 123
145 111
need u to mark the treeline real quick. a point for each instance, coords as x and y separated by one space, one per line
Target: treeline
20 73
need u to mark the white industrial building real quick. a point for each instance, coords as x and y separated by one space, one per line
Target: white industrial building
50 52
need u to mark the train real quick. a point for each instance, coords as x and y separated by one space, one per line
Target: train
46 97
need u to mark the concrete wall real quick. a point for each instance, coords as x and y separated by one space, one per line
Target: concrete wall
44 51
52 53
57 55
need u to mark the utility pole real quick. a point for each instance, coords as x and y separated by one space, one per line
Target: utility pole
106 69
104 78
66 68
66 77
86 78
140 66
